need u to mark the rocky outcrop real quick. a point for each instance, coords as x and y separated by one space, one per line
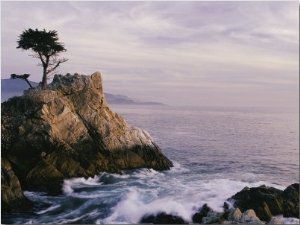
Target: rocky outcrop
269 201
69 131
288 201
162 218
202 212
257 205
12 197
206 215
237 217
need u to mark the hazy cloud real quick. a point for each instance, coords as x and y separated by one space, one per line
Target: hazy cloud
193 53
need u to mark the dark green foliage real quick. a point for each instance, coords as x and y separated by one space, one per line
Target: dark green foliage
41 42
46 46
23 77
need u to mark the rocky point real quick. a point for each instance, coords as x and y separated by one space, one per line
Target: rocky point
67 131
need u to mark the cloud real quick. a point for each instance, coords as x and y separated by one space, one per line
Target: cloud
153 47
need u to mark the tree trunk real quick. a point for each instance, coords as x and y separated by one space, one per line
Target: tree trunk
28 82
44 80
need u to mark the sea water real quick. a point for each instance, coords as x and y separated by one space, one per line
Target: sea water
216 152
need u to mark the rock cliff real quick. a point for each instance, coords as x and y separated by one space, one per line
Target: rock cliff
68 131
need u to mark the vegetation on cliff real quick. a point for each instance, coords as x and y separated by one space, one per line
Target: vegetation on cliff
46 48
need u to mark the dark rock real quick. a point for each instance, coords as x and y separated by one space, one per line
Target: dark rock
69 131
290 198
226 209
198 216
12 197
163 218
269 201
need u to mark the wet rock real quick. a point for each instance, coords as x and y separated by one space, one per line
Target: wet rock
290 200
250 217
163 218
202 212
269 201
206 215
235 214
237 217
69 131
274 221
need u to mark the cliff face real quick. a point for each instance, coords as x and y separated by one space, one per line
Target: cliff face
68 131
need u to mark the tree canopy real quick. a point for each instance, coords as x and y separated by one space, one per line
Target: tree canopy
21 76
46 47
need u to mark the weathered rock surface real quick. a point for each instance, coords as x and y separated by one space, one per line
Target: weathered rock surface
12 197
248 217
68 131
269 201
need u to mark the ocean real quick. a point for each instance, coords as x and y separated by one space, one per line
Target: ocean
216 152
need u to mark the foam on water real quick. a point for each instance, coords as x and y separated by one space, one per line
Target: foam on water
135 205
142 192
165 192
127 198
69 184
48 209
287 221
184 201
216 153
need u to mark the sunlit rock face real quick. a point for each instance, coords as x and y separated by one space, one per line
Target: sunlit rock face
68 131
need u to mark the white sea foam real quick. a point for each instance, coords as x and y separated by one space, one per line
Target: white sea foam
83 181
133 207
31 194
143 192
178 168
146 173
182 199
70 184
287 220
67 189
48 209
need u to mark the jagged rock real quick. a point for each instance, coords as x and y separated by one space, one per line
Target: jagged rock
237 217
269 201
206 215
290 198
12 197
250 217
68 131
202 212
163 218
235 214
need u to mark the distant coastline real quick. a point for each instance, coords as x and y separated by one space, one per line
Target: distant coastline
15 87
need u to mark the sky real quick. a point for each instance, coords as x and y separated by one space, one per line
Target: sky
189 53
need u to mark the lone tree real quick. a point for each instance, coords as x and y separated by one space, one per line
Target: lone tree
46 47
23 77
